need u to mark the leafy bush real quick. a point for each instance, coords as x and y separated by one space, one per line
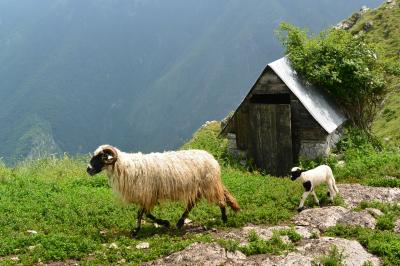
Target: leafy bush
347 67
334 257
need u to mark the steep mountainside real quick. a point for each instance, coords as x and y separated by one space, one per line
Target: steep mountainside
382 26
139 74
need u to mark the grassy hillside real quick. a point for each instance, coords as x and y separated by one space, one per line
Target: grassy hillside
385 31
77 217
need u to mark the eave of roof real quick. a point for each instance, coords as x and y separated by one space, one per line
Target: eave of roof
324 110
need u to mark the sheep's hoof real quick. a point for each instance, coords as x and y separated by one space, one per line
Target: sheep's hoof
134 232
164 223
180 223
300 209
224 219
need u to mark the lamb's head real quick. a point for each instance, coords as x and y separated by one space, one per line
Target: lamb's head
296 172
104 156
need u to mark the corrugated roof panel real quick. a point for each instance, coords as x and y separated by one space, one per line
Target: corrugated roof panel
325 111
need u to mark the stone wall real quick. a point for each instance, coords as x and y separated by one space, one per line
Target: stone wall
316 149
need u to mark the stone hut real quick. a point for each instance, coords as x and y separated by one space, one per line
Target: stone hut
283 118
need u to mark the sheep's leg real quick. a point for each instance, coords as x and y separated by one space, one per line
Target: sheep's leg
315 197
156 220
308 188
223 214
135 231
303 199
184 215
331 192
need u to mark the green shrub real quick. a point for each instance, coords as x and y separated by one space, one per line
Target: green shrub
335 257
347 67
256 245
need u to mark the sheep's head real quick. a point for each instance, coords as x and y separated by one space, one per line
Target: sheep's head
296 172
103 156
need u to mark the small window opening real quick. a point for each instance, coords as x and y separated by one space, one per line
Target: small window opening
271 98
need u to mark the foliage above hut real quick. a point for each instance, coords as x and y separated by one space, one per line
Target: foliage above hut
347 67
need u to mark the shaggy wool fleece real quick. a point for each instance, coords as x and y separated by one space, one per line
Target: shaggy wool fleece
186 176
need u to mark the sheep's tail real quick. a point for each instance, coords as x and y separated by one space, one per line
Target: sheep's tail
231 201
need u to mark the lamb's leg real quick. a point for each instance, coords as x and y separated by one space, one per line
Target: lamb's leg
156 220
331 192
308 188
135 231
184 215
303 199
315 197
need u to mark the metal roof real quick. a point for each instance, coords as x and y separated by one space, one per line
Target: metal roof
324 110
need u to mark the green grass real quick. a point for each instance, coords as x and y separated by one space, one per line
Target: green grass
386 33
256 245
335 257
391 213
384 244
70 210
366 160
77 216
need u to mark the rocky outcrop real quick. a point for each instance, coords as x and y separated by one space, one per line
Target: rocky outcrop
397 226
354 194
202 254
306 253
323 218
309 224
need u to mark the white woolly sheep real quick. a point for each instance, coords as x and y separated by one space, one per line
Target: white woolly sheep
146 179
311 179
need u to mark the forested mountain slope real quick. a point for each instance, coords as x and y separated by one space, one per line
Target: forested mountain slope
141 75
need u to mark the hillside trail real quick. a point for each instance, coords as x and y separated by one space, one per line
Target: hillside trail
310 224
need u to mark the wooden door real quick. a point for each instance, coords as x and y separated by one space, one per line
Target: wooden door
270 126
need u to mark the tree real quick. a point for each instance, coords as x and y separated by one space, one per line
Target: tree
344 65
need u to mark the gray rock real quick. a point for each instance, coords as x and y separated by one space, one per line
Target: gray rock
354 253
201 254
307 252
368 25
374 212
341 164
143 245
363 219
320 218
32 232
397 226
364 9
354 194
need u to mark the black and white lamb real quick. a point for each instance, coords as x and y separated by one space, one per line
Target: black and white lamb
311 179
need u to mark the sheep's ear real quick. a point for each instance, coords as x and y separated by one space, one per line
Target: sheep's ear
110 156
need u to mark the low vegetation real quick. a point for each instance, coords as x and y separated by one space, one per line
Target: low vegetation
382 243
77 217
53 211
362 158
256 245
335 257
